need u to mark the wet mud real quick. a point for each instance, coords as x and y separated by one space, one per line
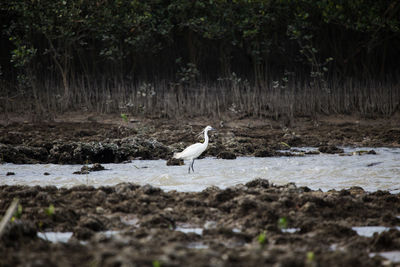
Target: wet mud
111 141
254 224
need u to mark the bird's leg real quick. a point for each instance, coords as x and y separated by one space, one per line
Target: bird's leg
189 167
192 165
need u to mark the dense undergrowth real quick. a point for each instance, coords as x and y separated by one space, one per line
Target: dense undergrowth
168 58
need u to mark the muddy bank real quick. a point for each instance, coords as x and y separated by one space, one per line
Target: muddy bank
246 225
103 140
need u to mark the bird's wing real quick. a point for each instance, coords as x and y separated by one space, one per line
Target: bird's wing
190 152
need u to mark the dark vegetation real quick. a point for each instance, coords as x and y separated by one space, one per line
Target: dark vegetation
165 58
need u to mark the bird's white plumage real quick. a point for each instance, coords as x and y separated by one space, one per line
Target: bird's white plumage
194 151
191 152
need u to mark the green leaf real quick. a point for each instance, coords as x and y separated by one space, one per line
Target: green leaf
282 223
124 117
50 210
310 256
262 238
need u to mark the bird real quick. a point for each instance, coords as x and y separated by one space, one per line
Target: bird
194 151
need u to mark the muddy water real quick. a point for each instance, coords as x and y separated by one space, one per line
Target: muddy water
371 172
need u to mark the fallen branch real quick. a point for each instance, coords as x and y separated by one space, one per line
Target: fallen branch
9 213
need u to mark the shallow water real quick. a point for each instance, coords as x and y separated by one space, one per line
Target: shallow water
393 256
324 171
64 237
55 237
369 231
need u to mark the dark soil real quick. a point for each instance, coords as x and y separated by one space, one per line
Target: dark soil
110 139
241 226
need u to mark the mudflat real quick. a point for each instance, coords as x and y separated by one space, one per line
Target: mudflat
252 224
110 139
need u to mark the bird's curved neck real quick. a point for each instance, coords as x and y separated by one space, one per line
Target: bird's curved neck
205 138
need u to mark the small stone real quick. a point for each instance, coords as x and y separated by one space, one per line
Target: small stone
46 173
99 210
330 149
175 162
84 170
96 167
312 152
10 173
265 153
258 183
226 155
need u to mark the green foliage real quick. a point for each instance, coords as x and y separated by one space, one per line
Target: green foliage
140 41
282 223
17 214
120 30
310 256
124 117
262 238
50 210
285 144
156 263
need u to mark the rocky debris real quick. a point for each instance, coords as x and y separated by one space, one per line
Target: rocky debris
359 153
175 162
374 164
86 169
18 231
91 142
226 155
10 173
312 152
64 152
330 149
262 153
247 224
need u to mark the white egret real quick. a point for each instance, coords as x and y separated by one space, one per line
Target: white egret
194 151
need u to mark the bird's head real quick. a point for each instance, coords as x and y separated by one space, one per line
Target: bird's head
209 128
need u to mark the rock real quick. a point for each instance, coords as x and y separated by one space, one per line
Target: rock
96 167
158 220
83 233
294 141
92 223
308 207
262 153
374 164
312 152
330 149
46 173
226 155
18 231
10 173
86 169
224 195
258 183
150 190
175 162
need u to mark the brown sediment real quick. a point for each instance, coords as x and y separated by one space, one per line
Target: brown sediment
149 225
